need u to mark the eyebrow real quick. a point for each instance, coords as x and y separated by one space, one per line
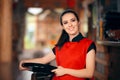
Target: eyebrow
70 19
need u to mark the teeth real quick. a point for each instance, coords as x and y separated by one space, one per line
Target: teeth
71 28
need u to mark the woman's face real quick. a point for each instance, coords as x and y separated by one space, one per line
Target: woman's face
70 24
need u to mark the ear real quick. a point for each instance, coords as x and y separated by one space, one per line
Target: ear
63 27
79 22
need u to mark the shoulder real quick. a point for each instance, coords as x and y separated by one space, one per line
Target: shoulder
89 44
86 41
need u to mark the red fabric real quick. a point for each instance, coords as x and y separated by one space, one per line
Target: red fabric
72 55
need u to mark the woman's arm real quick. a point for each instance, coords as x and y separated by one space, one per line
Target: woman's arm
82 73
46 59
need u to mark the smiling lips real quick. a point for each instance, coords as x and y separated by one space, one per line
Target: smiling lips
71 28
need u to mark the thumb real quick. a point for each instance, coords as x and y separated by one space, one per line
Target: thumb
60 67
53 70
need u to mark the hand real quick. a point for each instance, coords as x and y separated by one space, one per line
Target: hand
60 71
21 67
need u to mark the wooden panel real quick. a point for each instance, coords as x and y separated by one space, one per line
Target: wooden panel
99 76
0 33
46 3
114 68
0 25
102 62
6 24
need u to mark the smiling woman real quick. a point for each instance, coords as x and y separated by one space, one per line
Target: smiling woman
74 54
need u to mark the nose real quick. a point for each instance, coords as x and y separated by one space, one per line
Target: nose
69 24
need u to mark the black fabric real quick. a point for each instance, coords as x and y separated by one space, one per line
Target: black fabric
92 46
78 38
53 50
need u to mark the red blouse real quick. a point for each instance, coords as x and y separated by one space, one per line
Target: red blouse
72 55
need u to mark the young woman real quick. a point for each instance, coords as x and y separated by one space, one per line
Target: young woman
74 54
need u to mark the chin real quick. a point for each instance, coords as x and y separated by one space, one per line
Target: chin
72 33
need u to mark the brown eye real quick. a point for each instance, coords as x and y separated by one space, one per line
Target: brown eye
73 20
65 22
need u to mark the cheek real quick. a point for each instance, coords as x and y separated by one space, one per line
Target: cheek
64 26
77 25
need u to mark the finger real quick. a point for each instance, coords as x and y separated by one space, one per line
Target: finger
59 66
53 70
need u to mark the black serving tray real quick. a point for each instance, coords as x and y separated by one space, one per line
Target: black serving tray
38 67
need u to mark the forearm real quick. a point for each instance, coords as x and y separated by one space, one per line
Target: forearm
83 73
43 60
35 60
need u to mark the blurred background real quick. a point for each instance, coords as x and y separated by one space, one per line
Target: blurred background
30 28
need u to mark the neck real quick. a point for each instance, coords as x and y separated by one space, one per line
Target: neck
72 36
